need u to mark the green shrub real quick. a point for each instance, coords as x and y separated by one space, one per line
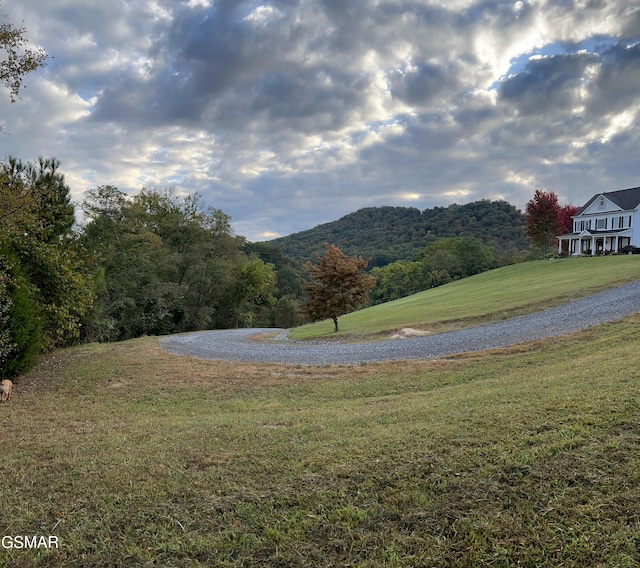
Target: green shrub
21 324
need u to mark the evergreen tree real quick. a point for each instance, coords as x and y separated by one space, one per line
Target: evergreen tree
20 319
36 230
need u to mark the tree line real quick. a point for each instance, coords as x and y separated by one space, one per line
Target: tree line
159 263
46 285
150 264
443 261
448 259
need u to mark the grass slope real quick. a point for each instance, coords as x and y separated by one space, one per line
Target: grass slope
528 456
493 295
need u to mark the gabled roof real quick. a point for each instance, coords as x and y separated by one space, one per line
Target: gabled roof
626 199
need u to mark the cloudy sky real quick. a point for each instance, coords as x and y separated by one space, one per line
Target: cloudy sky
290 113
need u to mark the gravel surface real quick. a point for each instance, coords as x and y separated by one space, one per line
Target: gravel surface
239 344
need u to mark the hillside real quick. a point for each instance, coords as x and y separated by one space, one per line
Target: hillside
491 296
387 234
127 455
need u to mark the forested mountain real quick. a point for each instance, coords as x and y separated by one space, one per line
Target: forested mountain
387 234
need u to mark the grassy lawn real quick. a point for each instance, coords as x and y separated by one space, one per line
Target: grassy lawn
528 456
490 296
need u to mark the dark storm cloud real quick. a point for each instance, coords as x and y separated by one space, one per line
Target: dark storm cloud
424 83
305 61
617 84
549 84
204 53
310 100
212 58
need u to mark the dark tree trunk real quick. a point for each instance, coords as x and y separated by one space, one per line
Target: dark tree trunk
335 322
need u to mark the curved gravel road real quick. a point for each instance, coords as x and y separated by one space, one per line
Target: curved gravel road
238 345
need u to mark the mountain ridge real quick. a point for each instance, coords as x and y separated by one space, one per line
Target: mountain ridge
390 233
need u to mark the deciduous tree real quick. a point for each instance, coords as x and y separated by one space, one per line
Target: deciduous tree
168 264
565 220
254 282
338 286
546 218
542 218
16 60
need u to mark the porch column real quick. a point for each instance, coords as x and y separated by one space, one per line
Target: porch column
593 246
616 245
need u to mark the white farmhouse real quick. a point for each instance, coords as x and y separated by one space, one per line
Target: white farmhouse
605 224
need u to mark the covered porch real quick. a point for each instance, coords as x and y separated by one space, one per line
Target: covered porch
593 242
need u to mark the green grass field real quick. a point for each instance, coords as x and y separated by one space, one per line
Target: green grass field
497 294
527 456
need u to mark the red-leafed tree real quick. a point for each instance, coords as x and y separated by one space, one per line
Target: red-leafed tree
338 286
565 221
546 218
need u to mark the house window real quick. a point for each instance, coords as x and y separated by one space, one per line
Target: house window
601 204
601 224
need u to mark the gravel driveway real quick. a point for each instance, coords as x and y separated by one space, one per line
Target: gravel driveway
238 345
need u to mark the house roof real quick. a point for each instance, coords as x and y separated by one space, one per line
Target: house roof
594 233
626 199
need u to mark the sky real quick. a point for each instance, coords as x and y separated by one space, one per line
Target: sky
286 114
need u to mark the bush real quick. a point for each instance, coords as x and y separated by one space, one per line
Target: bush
285 313
437 278
6 346
21 324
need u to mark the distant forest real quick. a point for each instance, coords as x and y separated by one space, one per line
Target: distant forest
389 234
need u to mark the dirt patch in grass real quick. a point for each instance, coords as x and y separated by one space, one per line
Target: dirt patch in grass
406 332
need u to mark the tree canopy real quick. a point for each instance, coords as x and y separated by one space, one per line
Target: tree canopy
153 263
338 286
167 264
17 60
440 262
389 234
546 219
46 283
